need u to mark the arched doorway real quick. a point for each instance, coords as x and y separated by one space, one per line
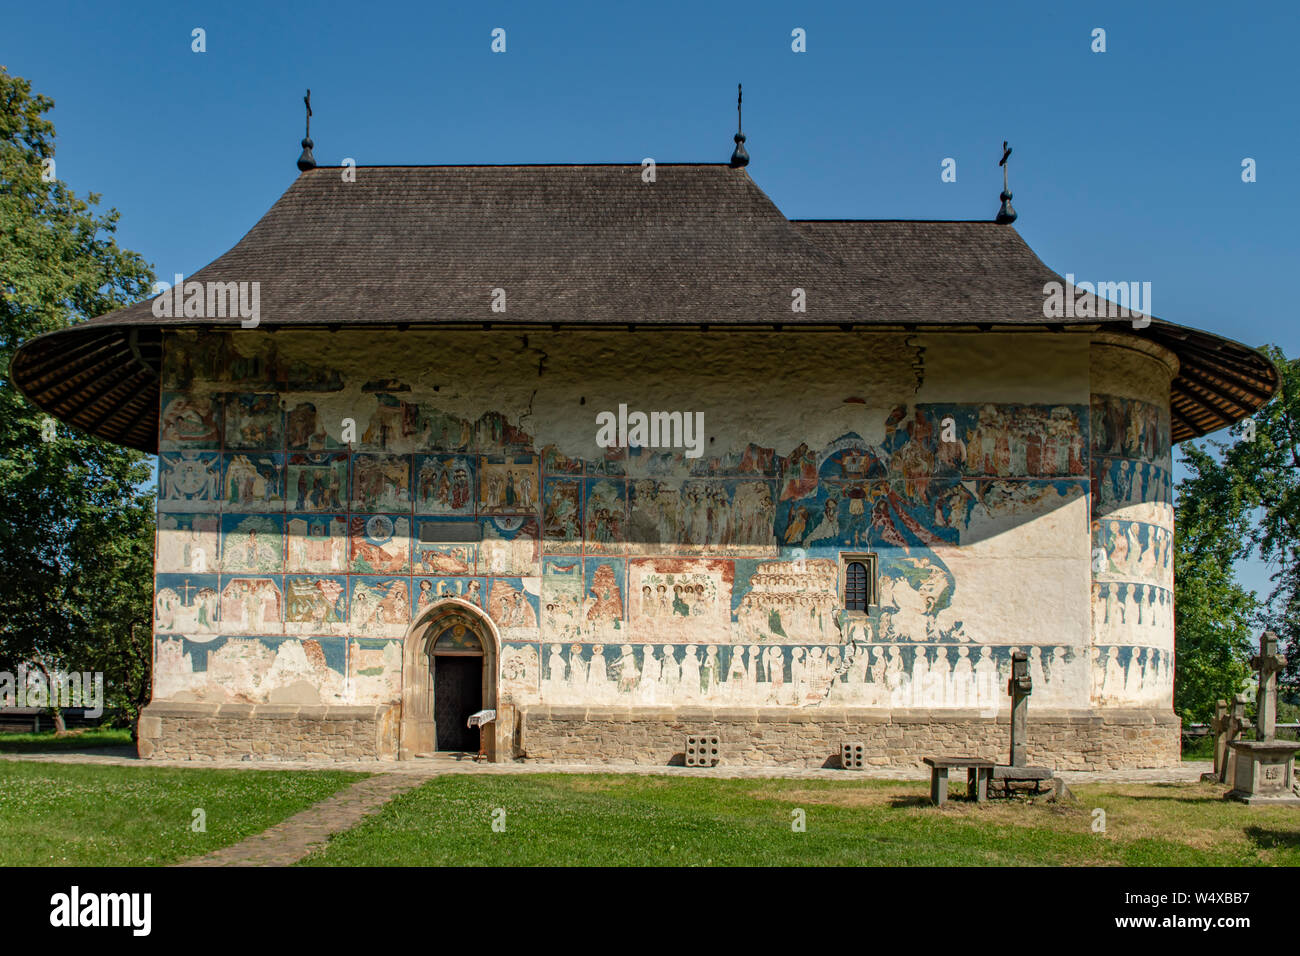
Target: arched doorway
456 656
452 643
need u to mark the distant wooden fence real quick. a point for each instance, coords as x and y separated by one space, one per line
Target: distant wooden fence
32 720
1197 731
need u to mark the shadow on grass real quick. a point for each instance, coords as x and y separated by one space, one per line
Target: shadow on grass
1273 839
1209 798
902 803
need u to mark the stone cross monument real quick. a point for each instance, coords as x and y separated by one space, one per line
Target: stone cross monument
1219 728
1264 768
1019 687
1226 727
1268 662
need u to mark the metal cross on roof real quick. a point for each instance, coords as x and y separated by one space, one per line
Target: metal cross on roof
739 156
307 161
1006 215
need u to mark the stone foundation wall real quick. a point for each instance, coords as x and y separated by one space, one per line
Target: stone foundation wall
1061 740
195 731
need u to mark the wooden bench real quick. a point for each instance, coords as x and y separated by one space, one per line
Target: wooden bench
978 772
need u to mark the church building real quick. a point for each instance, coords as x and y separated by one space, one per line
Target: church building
623 454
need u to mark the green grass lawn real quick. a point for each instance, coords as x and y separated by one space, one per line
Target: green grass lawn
1201 748
562 819
73 740
94 815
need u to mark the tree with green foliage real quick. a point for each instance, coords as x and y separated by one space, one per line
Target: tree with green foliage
1242 497
76 512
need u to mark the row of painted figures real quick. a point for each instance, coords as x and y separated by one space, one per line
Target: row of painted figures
874 676
316 671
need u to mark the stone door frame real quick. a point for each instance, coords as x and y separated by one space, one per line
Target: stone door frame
416 729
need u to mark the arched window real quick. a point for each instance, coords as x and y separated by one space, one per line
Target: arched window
855 586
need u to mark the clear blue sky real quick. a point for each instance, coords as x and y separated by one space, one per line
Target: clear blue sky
1127 163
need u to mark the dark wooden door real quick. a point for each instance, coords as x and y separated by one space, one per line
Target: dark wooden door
457 693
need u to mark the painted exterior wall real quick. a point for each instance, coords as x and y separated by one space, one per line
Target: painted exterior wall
1132 526
292 564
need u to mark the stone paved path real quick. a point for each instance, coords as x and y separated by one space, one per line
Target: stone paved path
293 838
1189 771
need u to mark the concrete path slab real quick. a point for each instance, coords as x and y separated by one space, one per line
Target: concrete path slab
1189 771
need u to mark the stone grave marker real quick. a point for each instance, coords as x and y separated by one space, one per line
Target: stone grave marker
1264 768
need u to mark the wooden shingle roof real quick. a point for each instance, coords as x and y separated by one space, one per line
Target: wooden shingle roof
592 246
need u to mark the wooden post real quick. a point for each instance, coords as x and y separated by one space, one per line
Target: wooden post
1019 687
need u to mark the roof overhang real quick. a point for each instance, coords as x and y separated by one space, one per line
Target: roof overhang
595 247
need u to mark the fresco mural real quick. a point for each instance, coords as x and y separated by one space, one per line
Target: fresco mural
642 575
251 670
253 481
381 544
317 543
188 542
252 543
374 671
508 485
318 482
457 639
379 606
304 431
187 422
1130 612
605 593
381 483
675 598
510 546
562 516
1132 542
431 590
189 481
606 516
316 604
393 425
513 606
254 421
446 546
186 603
444 484
887 676
562 599
520 670
1132 674
252 605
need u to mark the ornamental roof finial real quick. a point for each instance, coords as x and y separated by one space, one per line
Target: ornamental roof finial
307 161
739 157
1006 215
